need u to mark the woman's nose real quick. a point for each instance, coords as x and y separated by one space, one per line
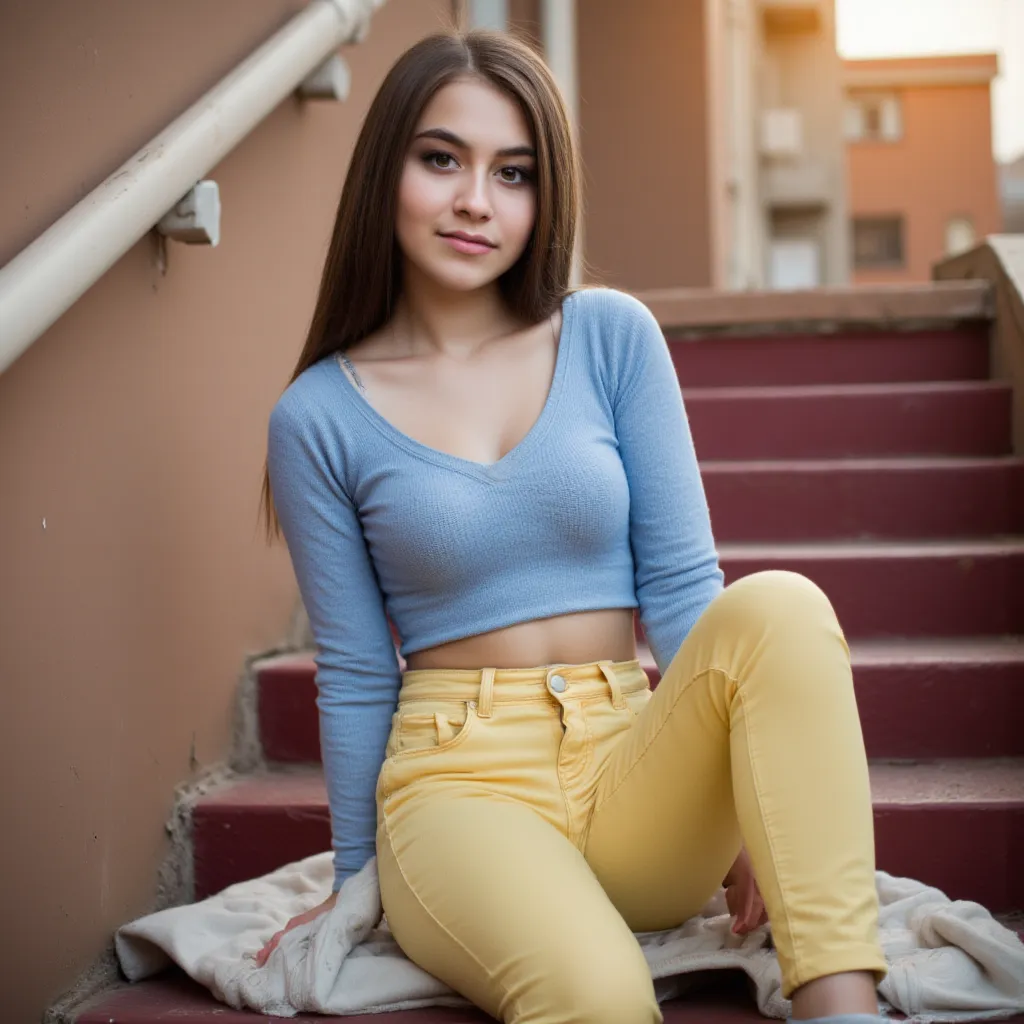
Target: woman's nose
474 197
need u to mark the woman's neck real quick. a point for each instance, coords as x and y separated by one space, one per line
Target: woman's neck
456 323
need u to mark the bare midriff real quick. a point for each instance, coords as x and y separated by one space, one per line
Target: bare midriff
560 640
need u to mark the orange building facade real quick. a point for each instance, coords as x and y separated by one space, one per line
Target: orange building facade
921 175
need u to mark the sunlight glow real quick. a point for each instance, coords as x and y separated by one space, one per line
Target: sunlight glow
913 28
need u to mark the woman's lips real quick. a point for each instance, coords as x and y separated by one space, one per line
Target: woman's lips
464 245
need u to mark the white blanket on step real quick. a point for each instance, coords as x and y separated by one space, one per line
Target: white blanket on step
949 961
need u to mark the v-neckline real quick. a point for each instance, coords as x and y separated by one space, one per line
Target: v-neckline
484 470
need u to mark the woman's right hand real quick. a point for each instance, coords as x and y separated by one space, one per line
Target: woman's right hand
310 915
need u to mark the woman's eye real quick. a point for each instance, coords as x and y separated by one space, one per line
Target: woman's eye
524 175
510 175
437 155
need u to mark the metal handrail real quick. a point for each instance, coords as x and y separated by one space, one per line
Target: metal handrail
51 273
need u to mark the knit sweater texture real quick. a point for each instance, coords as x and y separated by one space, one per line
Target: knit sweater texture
600 506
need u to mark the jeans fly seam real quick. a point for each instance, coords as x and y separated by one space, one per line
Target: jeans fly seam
668 714
576 835
433 917
561 787
587 742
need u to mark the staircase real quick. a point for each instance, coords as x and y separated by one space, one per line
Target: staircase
874 456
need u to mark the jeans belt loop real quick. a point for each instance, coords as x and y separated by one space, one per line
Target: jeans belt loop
618 701
486 698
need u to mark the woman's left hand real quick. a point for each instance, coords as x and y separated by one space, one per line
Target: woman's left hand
310 915
743 897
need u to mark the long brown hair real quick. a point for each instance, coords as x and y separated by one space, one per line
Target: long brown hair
361 279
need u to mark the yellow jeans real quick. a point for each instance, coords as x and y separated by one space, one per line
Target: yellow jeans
529 820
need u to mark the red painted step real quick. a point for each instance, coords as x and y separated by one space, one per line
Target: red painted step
927 698
721 999
868 498
862 357
941 698
904 589
958 825
285 709
851 420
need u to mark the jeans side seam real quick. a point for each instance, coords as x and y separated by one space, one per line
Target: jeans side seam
751 761
433 917
668 714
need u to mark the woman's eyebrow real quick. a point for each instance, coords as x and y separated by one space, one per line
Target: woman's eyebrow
450 137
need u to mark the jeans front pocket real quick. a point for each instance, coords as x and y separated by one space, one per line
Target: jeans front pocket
426 740
429 726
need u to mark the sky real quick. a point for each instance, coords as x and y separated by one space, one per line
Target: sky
910 28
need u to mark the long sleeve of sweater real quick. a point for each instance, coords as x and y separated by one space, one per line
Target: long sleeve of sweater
357 668
675 561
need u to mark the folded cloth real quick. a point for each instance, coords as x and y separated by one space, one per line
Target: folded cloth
949 960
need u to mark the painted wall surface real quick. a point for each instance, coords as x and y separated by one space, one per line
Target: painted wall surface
942 167
644 134
801 70
134 580
524 20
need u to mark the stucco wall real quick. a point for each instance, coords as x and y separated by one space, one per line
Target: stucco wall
644 130
524 20
942 167
133 578
801 70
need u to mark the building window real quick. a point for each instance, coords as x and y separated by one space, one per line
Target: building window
877 242
959 235
794 263
873 117
781 133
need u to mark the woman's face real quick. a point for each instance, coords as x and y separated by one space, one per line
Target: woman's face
470 170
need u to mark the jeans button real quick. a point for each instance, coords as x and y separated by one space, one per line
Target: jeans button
558 684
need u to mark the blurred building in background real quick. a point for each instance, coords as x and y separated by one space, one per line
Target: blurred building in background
711 132
922 177
727 145
780 180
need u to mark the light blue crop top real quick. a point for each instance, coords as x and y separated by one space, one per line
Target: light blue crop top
599 506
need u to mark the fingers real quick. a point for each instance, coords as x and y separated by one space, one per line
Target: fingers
746 906
741 909
264 954
757 915
310 915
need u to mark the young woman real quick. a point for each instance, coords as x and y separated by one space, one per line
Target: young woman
503 468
